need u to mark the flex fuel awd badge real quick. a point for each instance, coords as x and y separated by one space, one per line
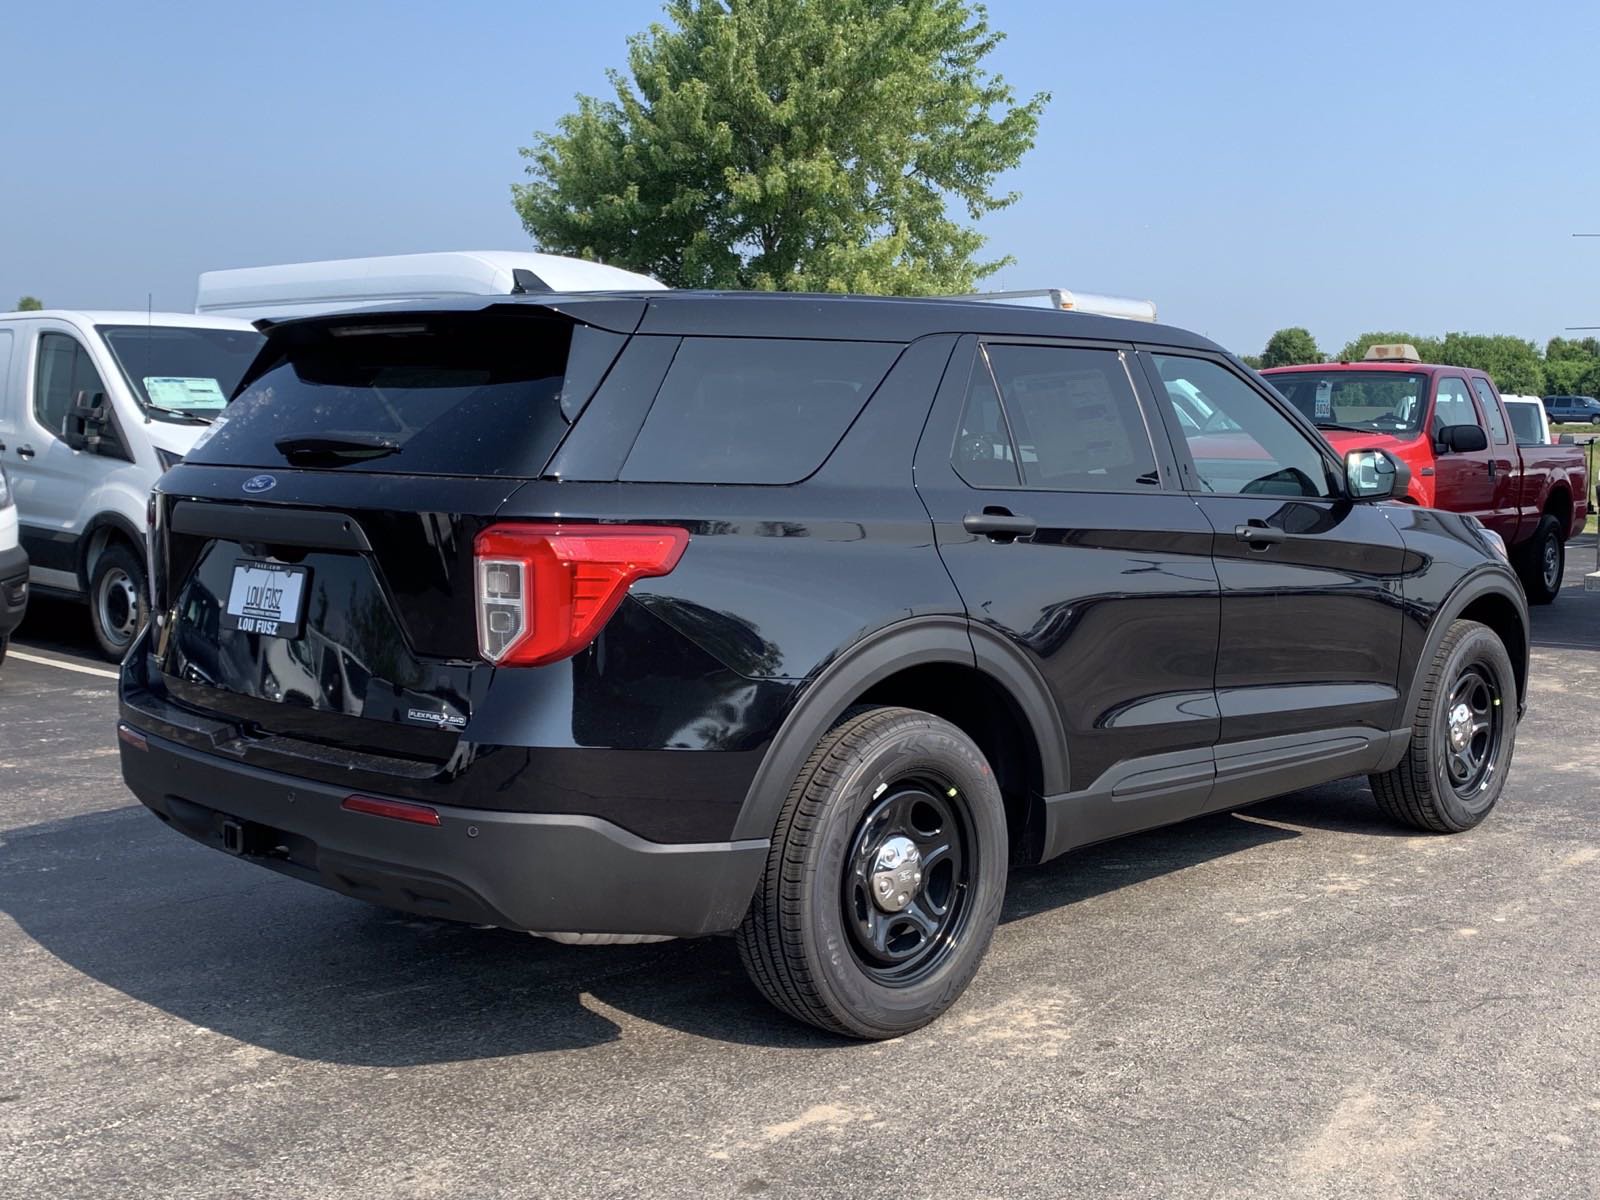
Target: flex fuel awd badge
436 718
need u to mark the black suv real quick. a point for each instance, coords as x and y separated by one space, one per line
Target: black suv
797 617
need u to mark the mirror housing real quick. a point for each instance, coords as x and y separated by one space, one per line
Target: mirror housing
1375 475
1566 439
1463 439
81 428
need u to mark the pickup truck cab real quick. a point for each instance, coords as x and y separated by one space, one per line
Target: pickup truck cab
1450 428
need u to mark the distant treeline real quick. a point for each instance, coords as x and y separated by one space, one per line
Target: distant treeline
1565 367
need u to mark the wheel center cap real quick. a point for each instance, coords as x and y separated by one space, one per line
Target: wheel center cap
896 874
1460 726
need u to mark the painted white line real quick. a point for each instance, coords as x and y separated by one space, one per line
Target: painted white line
102 672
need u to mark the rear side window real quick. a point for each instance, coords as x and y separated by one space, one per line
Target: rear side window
1074 419
754 410
414 394
1491 410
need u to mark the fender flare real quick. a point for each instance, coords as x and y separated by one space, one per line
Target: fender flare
1487 581
917 641
119 525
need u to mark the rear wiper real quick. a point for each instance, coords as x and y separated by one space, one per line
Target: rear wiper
330 450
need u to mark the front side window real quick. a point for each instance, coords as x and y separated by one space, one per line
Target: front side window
1453 406
1491 410
1248 447
64 369
1525 424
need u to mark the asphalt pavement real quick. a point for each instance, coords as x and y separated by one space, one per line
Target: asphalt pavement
1295 1000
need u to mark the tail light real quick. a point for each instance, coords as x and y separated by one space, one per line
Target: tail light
545 591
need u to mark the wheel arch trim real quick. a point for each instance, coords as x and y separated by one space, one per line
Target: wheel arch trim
917 641
1486 581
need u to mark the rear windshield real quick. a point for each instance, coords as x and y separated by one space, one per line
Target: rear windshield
1376 401
179 372
424 395
754 410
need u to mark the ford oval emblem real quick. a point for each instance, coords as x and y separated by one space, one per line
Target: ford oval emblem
257 484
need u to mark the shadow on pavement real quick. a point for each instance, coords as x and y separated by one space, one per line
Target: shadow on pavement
1572 621
288 967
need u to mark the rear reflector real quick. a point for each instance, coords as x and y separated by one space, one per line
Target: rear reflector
545 591
399 810
130 736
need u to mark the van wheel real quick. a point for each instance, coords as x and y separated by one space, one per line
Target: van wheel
119 602
885 878
1462 736
1544 561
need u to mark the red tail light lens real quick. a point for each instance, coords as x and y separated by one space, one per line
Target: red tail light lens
545 591
399 810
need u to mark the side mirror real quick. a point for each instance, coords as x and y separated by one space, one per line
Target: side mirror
1566 439
81 427
1375 475
1463 439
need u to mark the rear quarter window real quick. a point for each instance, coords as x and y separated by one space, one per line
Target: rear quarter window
754 410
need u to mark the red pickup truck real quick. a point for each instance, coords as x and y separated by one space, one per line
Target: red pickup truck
1450 428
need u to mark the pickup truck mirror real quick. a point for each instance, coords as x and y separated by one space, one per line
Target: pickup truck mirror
1566 439
1463 439
1375 475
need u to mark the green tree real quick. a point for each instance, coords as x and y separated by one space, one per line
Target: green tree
1291 347
789 144
1253 361
1572 366
1427 348
1512 362
30 304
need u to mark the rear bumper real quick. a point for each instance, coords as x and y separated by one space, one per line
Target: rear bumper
533 871
13 588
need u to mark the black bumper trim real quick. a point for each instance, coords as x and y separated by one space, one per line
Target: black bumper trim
13 588
560 873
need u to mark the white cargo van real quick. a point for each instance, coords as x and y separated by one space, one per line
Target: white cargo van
94 406
303 289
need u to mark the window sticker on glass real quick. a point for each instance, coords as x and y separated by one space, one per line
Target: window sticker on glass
184 392
1324 400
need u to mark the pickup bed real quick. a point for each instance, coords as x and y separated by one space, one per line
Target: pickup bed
1449 426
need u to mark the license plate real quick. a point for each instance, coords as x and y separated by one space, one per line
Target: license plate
266 598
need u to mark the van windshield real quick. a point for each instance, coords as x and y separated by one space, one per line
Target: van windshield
181 373
1382 401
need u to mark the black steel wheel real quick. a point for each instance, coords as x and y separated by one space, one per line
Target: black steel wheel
1463 732
1544 561
119 602
885 878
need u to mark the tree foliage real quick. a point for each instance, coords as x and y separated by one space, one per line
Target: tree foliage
30 304
788 144
1291 347
1512 362
1355 350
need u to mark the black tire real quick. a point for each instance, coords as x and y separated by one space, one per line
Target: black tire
1543 561
808 941
119 600
1427 790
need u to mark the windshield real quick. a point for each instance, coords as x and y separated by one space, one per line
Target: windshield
1382 401
181 373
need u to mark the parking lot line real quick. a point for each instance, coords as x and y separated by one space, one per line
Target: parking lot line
102 672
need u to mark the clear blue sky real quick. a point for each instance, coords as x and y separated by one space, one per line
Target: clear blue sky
1246 166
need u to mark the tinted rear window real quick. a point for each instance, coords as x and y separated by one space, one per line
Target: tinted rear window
470 395
754 410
